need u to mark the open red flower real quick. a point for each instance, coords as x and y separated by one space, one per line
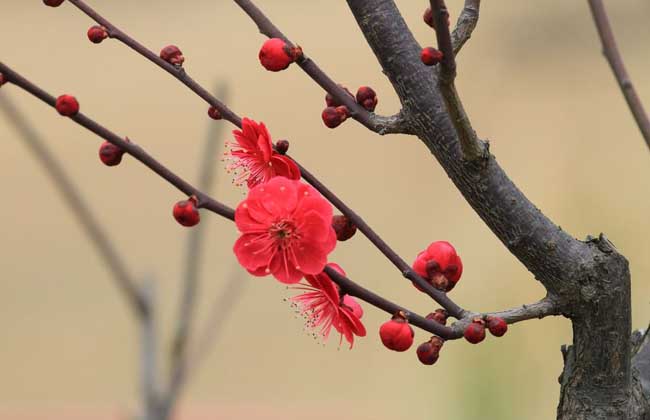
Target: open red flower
440 265
324 307
286 230
254 158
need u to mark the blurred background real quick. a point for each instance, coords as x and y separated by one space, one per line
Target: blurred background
534 83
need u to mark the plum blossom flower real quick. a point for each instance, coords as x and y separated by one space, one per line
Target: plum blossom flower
324 307
285 230
253 158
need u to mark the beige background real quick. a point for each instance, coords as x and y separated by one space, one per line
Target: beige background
534 83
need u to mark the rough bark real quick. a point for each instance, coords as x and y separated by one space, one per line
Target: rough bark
589 279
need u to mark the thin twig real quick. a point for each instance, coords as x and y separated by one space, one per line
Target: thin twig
190 280
406 270
149 353
359 113
220 312
209 203
353 289
441 18
465 25
538 310
177 72
472 147
267 28
75 201
611 52
204 201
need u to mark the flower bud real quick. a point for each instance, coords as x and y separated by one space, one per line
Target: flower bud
186 213
343 227
173 55
397 334
67 105
367 98
430 56
97 34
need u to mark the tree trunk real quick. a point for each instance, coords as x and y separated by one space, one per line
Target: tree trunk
589 279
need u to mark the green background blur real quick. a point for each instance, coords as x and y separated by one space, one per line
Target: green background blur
534 83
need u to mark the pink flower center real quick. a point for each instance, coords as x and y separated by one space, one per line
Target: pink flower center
284 231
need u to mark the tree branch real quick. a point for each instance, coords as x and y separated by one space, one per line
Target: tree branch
611 52
465 25
441 18
590 280
207 202
386 124
538 310
354 289
149 353
178 72
76 203
359 113
437 295
472 147
190 280
204 201
219 314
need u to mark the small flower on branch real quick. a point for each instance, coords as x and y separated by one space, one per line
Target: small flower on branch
252 155
324 308
286 230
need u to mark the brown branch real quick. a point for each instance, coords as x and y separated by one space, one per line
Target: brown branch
354 289
406 270
611 52
472 147
204 201
538 310
176 71
149 353
441 19
381 125
76 203
219 314
190 280
465 25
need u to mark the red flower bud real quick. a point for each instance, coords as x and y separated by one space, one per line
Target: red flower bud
97 34
332 101
428 17
67 105
367 98
53 3
3 79
343 227
214 113
282 146
110 154
186 213
428 352
173 55
331 117
440 316
497 326
276 55
430 56
474 333
397 334
429 20
343 112
440 265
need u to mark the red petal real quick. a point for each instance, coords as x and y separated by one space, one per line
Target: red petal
254 251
